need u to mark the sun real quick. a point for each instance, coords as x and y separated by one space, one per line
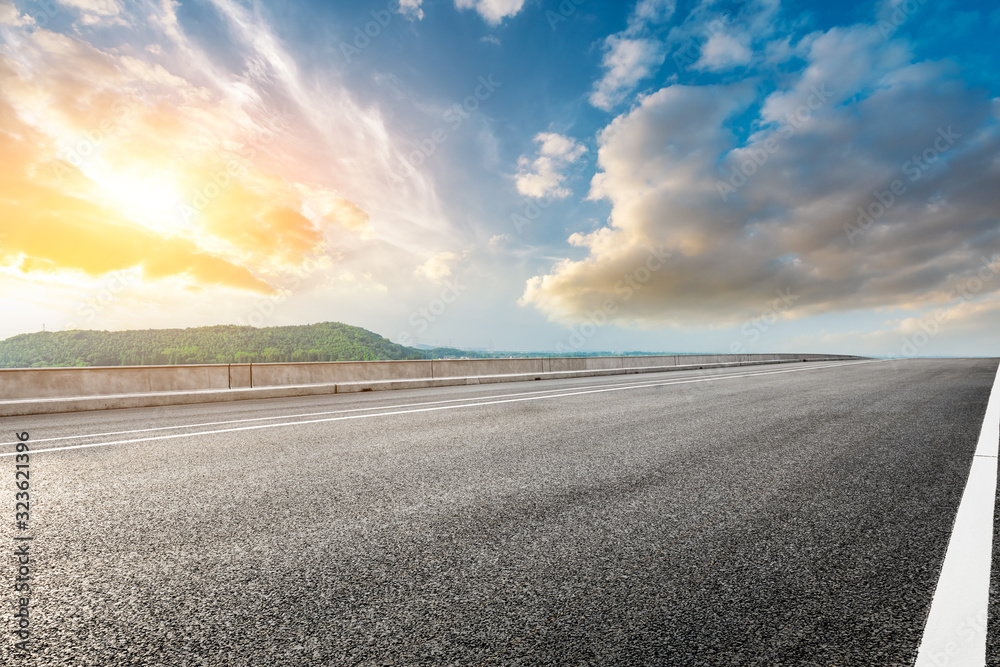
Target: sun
153 201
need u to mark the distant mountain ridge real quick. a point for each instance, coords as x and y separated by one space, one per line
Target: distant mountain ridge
326 341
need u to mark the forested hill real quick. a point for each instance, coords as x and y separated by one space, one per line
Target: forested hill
328 341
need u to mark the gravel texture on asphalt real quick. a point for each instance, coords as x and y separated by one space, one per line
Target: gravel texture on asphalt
795 518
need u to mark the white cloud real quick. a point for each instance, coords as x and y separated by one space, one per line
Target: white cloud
499 241
95 12
626 63
99 7
558 146
437 268
411 9
632 54
493 11
651 12
10 16
543 176
775 212
723 51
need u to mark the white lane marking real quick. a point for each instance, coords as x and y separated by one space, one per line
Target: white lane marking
314 414
374 407
433 409
955 634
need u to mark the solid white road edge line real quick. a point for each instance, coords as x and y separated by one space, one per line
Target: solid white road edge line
955 634
433 409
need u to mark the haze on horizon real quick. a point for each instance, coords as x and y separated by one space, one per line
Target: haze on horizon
729 176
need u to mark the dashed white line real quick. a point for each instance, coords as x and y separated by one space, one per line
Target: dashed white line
436 408
955 634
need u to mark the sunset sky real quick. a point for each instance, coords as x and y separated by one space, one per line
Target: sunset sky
741 176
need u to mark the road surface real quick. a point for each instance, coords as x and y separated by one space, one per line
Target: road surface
781 515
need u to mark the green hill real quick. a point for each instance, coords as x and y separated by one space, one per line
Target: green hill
327 341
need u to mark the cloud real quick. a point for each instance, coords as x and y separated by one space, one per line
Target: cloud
632 54
201 176
493 11
648 12
711 38
99 7
966 325
94 12
499 241
723 51
10 16
731 221
51 226
341 144
411 9
626 63
543 176
437 268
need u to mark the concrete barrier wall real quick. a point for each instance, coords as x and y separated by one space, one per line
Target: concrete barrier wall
31 383
452 368
280 375
566 364
65 382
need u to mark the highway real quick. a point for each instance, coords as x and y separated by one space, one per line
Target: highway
795 514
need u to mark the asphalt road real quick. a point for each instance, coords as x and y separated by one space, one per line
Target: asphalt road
786 515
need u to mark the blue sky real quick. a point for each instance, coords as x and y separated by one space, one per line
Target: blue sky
519 174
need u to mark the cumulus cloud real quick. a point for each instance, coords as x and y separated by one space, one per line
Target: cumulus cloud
10 16
543 176
648 12
711 38
723 51
437 268
626 63
631 55
411 9
493 11
836 197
